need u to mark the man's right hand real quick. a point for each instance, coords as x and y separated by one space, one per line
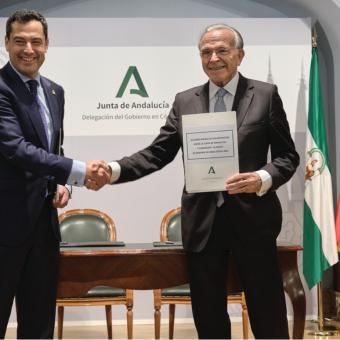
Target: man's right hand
98 173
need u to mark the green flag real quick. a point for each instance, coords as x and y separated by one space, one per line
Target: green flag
319 241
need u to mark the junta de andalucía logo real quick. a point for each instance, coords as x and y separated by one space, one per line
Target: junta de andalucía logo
141 90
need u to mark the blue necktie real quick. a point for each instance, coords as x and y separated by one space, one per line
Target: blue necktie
219 104
33 85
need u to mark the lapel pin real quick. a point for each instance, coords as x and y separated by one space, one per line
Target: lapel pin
53 92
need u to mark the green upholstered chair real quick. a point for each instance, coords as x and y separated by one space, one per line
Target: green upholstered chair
89 225
171 231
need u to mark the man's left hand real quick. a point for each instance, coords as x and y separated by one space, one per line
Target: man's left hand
61 200
247 182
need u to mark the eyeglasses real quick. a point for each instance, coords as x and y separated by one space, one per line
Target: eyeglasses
221 52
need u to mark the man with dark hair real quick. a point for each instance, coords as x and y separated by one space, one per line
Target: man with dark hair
31 134
24 16
246 219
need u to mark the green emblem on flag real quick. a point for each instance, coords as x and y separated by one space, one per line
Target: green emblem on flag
315 163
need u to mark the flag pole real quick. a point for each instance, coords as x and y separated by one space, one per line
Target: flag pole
322 329
320 304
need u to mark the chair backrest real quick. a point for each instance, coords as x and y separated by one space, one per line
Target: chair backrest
86 225
171 226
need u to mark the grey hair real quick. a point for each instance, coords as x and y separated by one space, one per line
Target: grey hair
237 35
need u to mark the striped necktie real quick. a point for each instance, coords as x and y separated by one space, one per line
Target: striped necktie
33 85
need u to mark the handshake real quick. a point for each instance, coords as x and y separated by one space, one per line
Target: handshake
98 173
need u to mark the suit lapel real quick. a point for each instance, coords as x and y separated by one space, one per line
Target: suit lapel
52 104
28 104
243 97
201 105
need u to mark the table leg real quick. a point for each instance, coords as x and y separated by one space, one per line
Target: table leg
293 287
157 312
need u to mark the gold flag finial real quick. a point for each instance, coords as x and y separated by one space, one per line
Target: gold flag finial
314 37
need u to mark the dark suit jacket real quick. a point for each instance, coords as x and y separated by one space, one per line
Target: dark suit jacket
262 125
25 163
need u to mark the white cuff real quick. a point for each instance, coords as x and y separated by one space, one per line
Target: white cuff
267 182
77 175
116 169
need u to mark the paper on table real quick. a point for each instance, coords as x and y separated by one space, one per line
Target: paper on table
210 150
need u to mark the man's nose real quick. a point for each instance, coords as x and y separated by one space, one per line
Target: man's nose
214 56
28 47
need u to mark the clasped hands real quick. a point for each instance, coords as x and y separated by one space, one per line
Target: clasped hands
98 173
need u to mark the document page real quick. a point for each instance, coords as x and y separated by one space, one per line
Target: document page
210 150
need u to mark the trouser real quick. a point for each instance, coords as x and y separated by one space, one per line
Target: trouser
29 273
258 270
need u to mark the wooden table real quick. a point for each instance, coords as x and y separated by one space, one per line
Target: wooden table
142 266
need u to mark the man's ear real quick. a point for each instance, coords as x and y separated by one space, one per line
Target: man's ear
47 43
241 55
6 43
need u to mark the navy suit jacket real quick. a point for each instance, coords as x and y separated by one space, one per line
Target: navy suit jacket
26 164
262 125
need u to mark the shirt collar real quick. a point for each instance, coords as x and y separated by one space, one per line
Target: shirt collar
230 87
24 78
